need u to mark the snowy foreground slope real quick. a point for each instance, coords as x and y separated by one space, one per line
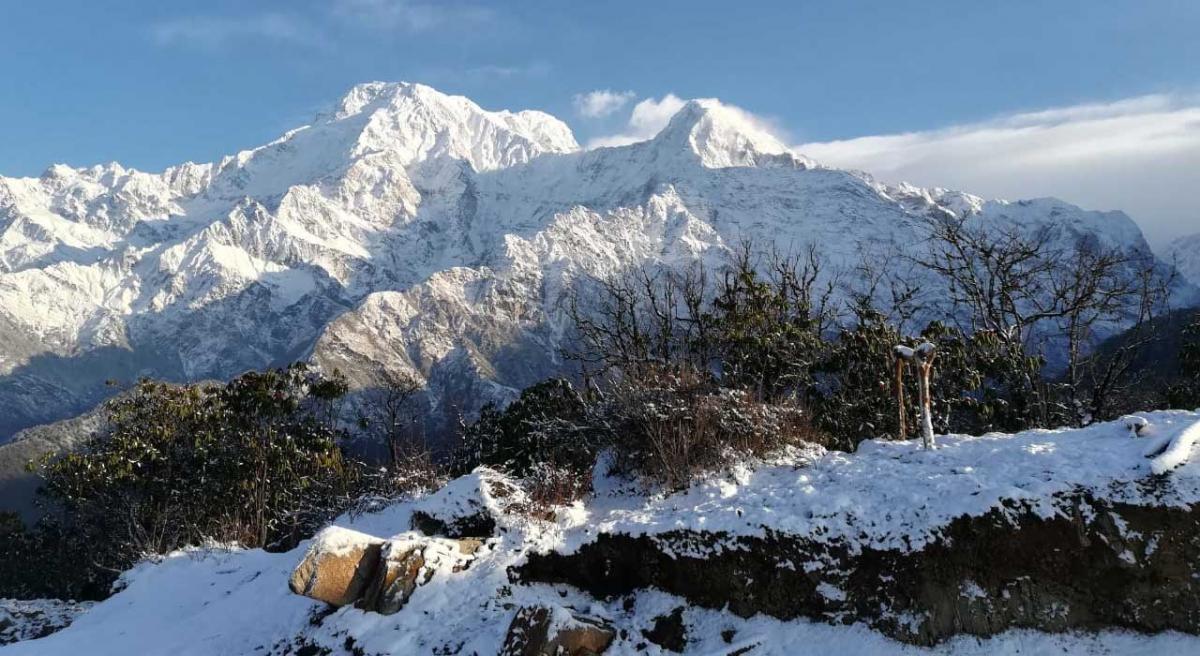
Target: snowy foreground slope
415 231
890 495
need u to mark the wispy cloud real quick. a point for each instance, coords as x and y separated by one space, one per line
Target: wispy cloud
1141 155
322 28
651 115
647 119
218 31
601 102
534 69
410 16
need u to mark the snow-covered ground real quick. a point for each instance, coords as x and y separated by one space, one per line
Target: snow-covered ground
896 495
889 494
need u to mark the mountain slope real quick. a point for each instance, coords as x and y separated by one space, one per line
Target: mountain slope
1184 253
411 230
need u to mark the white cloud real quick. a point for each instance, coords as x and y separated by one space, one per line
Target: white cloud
214 32
1140 155
648 118
651 115
408 15
601 102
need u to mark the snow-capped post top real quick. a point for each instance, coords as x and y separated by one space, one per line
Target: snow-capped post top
924 352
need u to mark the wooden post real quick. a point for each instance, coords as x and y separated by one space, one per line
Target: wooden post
902 418
925 353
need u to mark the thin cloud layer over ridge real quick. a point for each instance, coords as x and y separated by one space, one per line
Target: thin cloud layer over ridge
601 102
1140 155
651 115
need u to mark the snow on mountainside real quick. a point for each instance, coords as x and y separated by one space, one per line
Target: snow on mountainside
1184 253
408 229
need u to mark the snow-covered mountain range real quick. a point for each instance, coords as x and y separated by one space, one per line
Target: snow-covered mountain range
410 230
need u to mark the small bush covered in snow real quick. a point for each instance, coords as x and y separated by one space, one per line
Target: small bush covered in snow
662 424
670 426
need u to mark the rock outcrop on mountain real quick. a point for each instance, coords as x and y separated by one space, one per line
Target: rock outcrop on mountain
412 231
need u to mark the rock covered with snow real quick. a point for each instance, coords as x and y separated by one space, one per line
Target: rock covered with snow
343 567
338 566
555 631
1171 451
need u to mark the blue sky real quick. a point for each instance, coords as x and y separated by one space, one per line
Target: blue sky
151 84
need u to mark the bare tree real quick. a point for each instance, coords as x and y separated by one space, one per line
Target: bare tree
390 413
1029 290
999 275
1099 286
756 327
648 317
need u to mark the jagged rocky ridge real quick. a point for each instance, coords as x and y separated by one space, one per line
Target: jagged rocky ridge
411 230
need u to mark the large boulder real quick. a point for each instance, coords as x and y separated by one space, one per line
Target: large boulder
347 567
338 567
546 631
401 570
406 564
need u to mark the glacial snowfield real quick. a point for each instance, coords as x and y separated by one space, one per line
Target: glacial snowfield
409 230
889 494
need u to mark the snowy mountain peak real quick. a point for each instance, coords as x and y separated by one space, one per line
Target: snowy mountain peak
399 115
380 130
722 136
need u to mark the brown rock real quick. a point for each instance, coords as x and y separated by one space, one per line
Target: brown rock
337 567
542 631
468 546
399 574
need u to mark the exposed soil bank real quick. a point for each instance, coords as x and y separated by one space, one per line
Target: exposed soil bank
1094 565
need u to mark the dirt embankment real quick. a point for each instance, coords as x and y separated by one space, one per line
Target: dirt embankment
1094 565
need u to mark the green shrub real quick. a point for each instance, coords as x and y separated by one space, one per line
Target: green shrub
254 462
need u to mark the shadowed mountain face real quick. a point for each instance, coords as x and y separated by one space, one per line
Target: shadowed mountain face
411 231
1185 254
